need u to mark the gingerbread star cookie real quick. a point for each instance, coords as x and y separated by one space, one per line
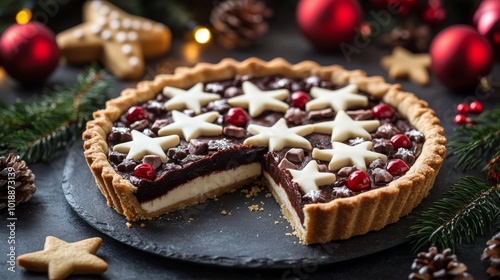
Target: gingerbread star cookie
119 40
310 178
257 101
61 259
192 127
279 136
142 145
343 155
404 64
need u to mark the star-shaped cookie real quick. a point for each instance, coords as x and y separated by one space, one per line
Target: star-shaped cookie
343 127
339 100
344 155
404 64
119 40
142 145
192 127
192 98
279 136
61 259
257 101
310 178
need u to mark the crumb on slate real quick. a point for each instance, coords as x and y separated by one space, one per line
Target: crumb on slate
129 225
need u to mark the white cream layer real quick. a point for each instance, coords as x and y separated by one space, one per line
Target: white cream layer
202 185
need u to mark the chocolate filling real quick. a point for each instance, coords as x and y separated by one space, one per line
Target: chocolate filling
206 155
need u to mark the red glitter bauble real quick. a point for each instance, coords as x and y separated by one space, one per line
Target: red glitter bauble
29 52
328 23
487 21
460 57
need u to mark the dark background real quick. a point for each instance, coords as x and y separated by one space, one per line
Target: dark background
48 212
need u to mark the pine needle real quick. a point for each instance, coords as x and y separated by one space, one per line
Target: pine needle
37 128
471 207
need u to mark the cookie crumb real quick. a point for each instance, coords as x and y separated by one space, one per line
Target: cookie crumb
276 222
129 225
254 207
288 234
223 212
142 225
268 195
190 219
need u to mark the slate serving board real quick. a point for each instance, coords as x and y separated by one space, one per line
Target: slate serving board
201 234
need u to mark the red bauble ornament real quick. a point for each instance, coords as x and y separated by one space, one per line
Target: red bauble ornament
460 119
463 108
29 52
476 107
328 23
460 57
487 21
434 13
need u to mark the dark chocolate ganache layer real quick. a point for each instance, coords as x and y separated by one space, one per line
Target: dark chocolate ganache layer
205 155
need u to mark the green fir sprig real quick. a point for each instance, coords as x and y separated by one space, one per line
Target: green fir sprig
37 128
469 208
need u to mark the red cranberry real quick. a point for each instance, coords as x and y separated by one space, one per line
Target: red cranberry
299 99
397 167
460 119
358 181
463 108
136 113
237 116
382 111
400 141
476 107
145 171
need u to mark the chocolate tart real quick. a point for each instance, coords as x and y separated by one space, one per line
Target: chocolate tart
280 141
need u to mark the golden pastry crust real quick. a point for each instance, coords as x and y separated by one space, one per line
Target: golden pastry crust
338 219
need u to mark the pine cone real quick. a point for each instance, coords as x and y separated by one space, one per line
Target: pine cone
16 181
492 253
435 265
239 23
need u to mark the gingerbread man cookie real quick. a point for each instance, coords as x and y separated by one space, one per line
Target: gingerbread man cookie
404 64
119 40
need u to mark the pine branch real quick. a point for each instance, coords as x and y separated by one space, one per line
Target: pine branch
35 129
475 145
470 207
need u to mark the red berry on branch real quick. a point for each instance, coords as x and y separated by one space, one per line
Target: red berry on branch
136 113
145 171
463 108
382 111
460 119
476 107
299 99
358 181
400 141
397 167
237 116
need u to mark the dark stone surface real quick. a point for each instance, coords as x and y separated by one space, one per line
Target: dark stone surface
49 213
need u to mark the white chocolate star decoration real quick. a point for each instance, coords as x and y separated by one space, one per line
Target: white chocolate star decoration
142 145
117 39
310 178
192 98
343 127
62 259
339 100
343 155
279 136
192 127
257 101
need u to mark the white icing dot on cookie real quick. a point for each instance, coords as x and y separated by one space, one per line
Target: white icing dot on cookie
136 24
115 24
127 49
121 36
106 34
126 23
133 60
95 29
147 25
96 4
104 10
78 33
101 21
132 36
114 15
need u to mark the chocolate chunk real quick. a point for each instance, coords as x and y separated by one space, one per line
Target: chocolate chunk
356 141
326 113
191 158
176 153
295 155
386 130
220 106
197 147
381 176
232 92
160 97
295 116
378 163
315 115
405 155
314 196
148 132
188 112
323 168
403 125
415 135
214 87
155 107
282 83
127 165
169 166
346 171
326 84
234 131
158 124
312 81
120 134
216 145
153 160
360 115
285 164
139 125
381 145
116 157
